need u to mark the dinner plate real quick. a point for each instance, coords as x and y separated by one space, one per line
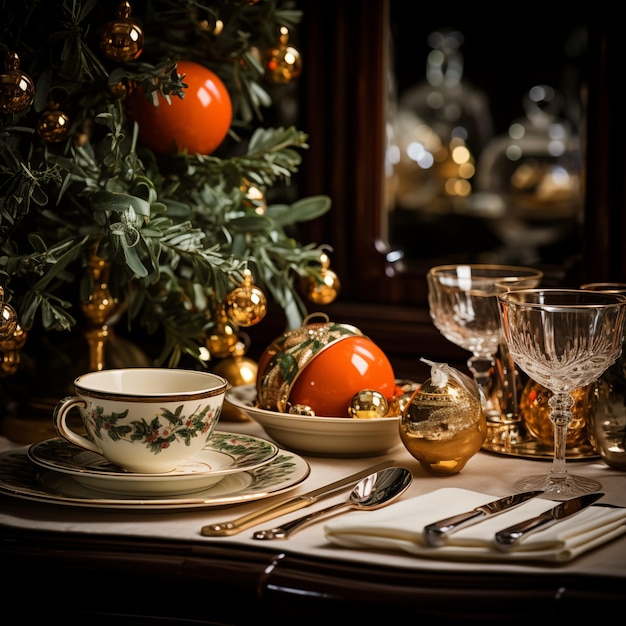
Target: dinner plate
21 478
225 453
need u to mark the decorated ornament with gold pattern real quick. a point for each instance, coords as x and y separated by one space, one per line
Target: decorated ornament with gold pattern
317 369
122 39
246 305
283 63
53 125
443 425
324 288
17 90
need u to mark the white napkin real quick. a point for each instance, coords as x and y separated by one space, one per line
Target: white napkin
399 527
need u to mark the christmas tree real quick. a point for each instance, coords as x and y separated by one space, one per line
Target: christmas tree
138 182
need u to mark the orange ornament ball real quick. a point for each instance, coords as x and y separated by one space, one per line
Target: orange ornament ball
330 381
196 124
321 367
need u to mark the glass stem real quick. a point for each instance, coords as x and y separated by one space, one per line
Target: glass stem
482 369
560 416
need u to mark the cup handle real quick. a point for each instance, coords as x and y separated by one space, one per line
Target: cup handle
59 418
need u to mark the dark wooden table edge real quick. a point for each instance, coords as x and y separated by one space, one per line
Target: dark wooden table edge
126 580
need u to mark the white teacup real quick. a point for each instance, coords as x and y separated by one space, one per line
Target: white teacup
145 420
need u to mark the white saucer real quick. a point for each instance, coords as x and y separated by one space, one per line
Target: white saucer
21 478
224 454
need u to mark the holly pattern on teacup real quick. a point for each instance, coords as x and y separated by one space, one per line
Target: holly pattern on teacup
158 433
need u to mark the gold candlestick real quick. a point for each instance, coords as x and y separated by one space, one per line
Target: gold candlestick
98 310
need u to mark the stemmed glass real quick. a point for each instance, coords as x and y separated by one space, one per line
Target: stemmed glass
563 339
464 307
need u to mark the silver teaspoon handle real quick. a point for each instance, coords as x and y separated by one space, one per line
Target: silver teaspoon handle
288 529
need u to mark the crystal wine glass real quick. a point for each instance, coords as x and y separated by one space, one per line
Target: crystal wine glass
464 307
563 339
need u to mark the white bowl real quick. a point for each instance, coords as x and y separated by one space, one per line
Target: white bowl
320 436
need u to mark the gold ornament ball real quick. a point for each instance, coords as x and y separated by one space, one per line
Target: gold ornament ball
17 90
237 370
535 413
8 321
122 40
323 292
246 305
53 126
368 404
223 340
301 409
282 63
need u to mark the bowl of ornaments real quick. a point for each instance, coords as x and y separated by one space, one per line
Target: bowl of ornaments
326 389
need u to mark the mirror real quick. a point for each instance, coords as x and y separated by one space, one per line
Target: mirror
484 159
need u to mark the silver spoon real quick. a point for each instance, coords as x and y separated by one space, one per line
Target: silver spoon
372 492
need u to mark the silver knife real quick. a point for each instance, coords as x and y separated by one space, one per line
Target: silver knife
435 534
294 503
509 537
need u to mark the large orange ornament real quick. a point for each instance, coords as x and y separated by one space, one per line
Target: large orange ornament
320 367
196 124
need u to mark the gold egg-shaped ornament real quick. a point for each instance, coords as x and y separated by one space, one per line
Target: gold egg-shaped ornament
535 413
17 90
122 40
443 425
246 305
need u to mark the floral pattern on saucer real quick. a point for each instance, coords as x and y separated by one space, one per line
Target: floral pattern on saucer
21 478
225 453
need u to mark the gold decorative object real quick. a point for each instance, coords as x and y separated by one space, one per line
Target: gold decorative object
17 90
325 289
122 40
536 414
283 63
237 368
246 305
8 318
367 404
254 197
443 425
53 125
98 310
10 352
223 340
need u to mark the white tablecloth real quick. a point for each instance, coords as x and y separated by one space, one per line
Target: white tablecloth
485 472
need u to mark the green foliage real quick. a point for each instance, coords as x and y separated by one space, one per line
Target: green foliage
178 231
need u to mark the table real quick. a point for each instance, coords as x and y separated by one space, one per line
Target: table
92 566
